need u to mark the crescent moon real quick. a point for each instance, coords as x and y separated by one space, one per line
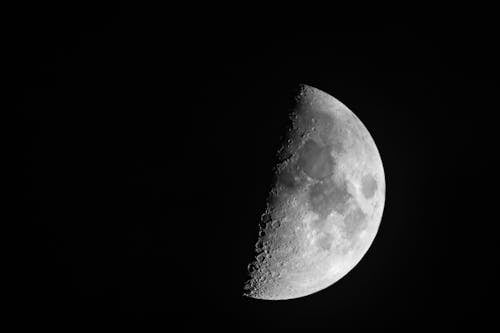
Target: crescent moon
326 204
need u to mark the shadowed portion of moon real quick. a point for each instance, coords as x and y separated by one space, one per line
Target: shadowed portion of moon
325 206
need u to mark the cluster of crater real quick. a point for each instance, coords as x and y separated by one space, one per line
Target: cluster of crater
312 167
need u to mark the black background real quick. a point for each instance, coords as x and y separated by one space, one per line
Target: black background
149 143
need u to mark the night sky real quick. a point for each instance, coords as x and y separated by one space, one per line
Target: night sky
149 146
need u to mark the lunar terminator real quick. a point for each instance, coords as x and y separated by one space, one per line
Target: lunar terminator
326 204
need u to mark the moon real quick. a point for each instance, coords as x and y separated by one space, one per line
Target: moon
325 205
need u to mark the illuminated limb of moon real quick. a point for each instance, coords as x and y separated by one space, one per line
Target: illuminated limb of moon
325 208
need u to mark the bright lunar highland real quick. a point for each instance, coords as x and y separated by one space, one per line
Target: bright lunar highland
326 203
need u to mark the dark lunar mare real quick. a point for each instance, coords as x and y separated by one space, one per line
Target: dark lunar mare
326 196
353 221
325 241
315 160
368 186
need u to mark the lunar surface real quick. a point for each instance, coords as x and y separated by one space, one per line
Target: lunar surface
326 203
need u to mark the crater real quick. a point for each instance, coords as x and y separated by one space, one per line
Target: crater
326 196
368 186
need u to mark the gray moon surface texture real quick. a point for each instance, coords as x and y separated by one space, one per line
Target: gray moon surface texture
326 204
